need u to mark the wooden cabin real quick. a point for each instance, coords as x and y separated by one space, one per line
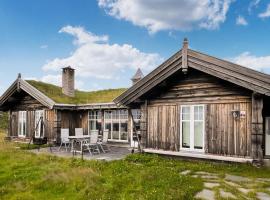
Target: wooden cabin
40 110
196 105
192 105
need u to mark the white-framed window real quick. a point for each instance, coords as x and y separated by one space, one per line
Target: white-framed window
192 127
39 123
136 114
94 120
22 124
116 121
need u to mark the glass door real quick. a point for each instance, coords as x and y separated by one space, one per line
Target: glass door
192 127
39 123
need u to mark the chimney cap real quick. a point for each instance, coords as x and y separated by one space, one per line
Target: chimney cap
68 67
138 75
185 42
19 75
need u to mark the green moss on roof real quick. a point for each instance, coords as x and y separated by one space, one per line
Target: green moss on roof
81 97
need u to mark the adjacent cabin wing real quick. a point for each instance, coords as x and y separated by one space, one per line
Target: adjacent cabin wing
187 59
23 91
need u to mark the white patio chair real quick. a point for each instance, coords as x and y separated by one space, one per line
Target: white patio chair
64 139
93 142
78 132
104 141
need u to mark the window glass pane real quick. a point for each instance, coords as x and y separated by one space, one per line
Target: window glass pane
107 115
186 134
198 112
123 131
201 111
115 131
198 135
136 113
108 127
115 114
185 113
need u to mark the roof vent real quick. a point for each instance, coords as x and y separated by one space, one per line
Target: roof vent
68 81
138 76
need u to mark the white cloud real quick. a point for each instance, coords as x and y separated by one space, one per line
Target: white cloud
56 79
266 13
253 4
259 63
157 15
44 46
83 36
52 79
240 20
95 57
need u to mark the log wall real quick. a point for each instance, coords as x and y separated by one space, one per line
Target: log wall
224 134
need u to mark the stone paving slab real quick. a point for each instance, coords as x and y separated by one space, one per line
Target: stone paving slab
206 194
236 178
262 196
116 153
226 195
211 185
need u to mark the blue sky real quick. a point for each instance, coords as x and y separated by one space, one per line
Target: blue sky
106 40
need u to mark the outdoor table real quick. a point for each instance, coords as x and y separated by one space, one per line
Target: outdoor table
78 139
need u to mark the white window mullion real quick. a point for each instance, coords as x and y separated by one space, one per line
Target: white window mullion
192 127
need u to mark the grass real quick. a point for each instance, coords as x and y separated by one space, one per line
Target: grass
24 175
81 97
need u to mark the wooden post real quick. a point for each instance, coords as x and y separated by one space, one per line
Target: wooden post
184 56
9 123
143 124
257 127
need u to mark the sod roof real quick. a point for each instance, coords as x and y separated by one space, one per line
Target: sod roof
81 97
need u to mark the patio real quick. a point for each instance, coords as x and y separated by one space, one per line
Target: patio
115 153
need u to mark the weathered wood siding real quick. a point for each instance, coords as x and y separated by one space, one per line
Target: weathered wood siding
163 127
224 135
26 102
30 123
74 119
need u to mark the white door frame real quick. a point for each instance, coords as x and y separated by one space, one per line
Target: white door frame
267 136
192 128
22 117
37 131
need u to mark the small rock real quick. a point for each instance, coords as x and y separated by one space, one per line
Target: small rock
244 190
262 196
209 176
186 172
206 194
236 178
211 185
226 195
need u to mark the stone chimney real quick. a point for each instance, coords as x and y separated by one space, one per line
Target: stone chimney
138 76
68 81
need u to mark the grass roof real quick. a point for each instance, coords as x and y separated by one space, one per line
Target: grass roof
81 97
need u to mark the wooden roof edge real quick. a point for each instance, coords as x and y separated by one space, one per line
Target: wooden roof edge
37 94
125 96
266 77
7 93
18 84
151 74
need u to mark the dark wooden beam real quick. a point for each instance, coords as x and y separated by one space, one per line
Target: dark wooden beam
257 127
